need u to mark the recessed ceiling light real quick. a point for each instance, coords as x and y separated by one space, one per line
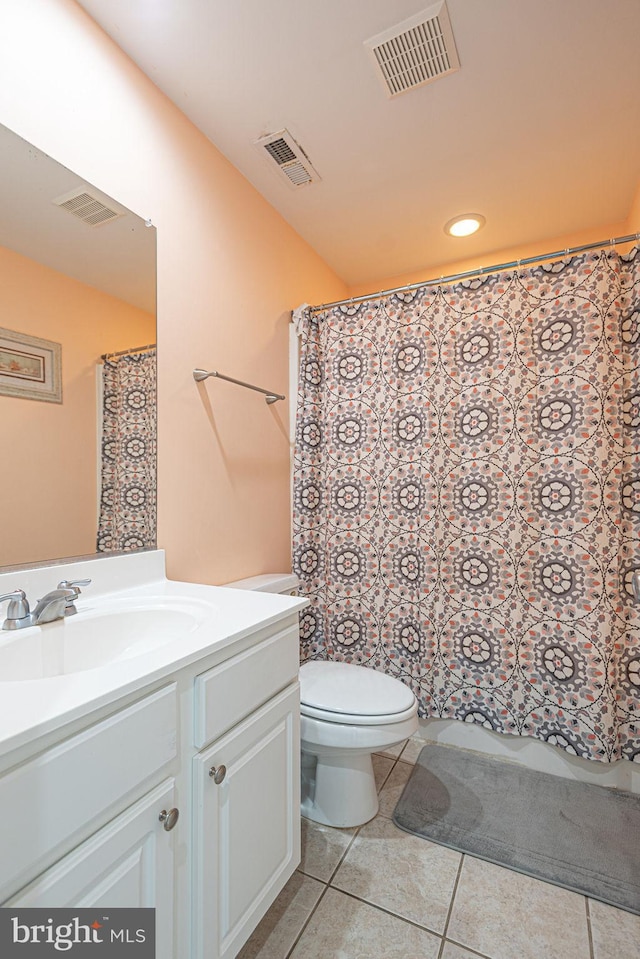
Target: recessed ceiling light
464 225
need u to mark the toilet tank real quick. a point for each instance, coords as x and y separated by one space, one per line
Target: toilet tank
285 583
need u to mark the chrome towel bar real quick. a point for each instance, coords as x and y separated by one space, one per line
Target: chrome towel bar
269 395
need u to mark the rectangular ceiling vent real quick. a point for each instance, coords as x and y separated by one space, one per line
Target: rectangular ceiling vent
416 51
288 158
87 207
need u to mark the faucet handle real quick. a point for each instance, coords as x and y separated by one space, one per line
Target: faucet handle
18 614
74 585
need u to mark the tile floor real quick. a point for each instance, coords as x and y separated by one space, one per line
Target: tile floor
377 892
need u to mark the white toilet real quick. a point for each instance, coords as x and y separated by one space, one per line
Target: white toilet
346 714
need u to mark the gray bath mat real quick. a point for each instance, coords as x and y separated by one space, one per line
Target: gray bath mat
583 837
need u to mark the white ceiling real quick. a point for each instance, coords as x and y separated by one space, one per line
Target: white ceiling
118 258
539 130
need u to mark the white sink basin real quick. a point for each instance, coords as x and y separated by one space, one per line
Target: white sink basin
94 638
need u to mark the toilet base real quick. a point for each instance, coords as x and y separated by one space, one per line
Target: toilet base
341 790
338 785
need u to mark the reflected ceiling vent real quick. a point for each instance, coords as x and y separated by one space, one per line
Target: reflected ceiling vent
416 51
285 155
87 207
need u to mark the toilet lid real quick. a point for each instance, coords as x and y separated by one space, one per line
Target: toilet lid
352 690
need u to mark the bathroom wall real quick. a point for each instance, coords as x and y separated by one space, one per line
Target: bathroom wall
507 255
633 221
229 271
56 440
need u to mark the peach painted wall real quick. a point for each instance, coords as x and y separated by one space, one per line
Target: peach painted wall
462 264
229 270
48 486
633 220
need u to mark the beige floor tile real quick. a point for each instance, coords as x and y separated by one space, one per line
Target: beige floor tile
281 926
615 933
407 875
343 928
382 766
392 789
322 848
452 951
504 914
412 749
393 752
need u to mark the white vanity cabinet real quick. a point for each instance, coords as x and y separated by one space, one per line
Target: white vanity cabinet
92 810
130 862
71 791
246 788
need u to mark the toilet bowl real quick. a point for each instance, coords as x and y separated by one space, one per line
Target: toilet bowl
346 714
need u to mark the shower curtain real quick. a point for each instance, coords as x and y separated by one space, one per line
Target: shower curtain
467 497
128 470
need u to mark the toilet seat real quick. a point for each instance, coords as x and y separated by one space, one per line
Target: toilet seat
355 719
353 695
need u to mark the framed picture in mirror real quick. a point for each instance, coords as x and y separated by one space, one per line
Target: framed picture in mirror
30 367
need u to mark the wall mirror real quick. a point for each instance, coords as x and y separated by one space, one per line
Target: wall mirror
77 282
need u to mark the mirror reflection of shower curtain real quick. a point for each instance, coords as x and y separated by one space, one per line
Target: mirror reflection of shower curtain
127 517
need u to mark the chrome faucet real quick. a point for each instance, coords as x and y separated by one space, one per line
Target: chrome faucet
56 604
53 605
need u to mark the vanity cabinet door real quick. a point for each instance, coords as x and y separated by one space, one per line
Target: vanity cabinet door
129 862
247 825
60 797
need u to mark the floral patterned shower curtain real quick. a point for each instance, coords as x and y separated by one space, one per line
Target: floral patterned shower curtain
467 497
128 475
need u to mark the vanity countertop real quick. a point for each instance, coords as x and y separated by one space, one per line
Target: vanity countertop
222 617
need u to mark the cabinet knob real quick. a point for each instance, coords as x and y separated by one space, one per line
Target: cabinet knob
218 773
169 819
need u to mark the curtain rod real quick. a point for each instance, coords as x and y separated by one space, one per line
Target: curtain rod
479 272
134 349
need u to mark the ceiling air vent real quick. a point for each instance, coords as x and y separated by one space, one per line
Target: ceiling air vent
87 207
289 158
416 51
